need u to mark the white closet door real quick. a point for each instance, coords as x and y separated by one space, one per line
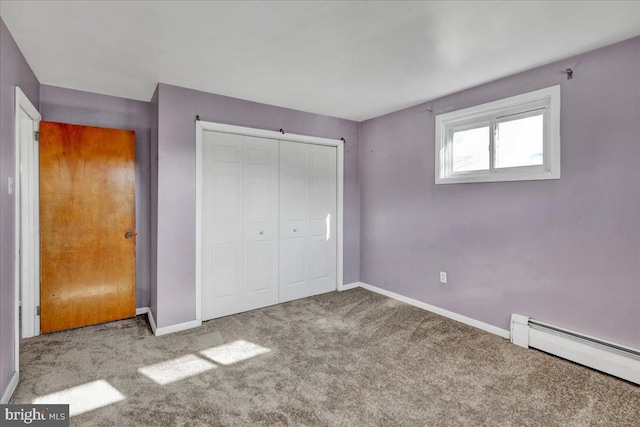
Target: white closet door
222 239
239 224
294 221
307 220
322 219
261 222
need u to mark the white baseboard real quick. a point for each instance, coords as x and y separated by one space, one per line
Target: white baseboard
142 310
441 311
171 328
350 286
152 322
177 328
13 383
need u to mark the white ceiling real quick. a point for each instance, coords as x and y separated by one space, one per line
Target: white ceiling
354 60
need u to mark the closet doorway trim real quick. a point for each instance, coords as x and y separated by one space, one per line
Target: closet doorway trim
202 126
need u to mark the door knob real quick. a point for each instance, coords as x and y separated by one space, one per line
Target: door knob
128 235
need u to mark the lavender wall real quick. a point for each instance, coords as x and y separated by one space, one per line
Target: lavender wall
14 71
176 184
85 108
565 252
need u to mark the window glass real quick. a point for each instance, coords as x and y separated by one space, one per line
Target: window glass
471 150
519 142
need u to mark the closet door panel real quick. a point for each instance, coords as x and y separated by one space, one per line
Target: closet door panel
222 227
259 271
225 269
322 219
296 261
294 221
261 222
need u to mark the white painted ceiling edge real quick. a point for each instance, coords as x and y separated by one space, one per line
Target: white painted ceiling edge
354 60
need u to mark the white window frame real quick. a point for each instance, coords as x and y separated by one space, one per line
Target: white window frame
491 113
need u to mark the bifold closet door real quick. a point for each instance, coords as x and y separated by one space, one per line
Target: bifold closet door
322 219
239 224
308 208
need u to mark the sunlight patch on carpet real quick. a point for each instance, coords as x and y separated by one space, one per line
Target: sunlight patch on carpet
174 370
83 398
234 352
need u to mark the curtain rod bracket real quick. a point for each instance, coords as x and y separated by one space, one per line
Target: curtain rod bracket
197 118
429 110
281 131
343 140
569 72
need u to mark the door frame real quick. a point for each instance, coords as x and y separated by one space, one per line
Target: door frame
27 214
202 126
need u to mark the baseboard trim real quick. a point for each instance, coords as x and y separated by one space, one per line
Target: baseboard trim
177 328
152 321
142 310
13 383
441 311
350 286
171 328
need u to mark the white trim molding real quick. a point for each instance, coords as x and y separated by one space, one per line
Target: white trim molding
27 217
142 310
175 328
27 225
167 329
614 359
11 387
26 229
268 134
441 311
351 286
202 126
152 322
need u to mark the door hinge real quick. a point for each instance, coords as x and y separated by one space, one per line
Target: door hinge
38 310
36 136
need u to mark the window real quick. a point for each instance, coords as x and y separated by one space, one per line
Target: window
513 139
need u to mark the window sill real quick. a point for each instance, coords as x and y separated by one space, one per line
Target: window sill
498 177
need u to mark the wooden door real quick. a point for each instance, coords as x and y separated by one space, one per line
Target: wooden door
87 225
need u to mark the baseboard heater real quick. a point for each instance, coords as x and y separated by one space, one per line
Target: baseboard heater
613 359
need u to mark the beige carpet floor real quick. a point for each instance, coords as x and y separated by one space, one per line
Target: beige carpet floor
353 358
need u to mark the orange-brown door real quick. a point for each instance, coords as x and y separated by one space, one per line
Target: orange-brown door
87 225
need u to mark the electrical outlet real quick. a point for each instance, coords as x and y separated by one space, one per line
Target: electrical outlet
443 277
